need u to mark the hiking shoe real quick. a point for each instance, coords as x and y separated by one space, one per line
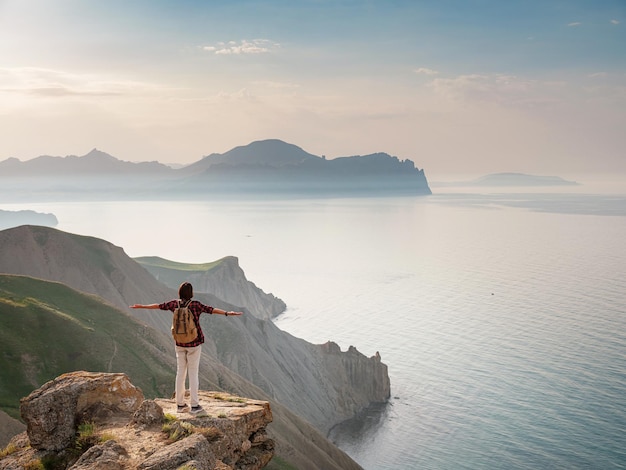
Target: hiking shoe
198 411
182 408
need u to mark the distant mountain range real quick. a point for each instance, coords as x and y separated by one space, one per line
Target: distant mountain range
95 163
267 166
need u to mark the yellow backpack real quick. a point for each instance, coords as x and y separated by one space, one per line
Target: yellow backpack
184 329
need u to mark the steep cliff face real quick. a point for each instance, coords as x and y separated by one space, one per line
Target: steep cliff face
90 334
224 279
321 384
365 379
348 379
324 384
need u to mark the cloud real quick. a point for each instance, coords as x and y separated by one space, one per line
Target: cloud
58 91
241 95
499 89
52 83
255 46
598 75
425 71
576 23
276 85
615 22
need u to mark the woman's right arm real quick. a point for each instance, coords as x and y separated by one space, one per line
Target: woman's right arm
152 306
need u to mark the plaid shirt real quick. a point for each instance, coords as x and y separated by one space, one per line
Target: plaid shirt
196 308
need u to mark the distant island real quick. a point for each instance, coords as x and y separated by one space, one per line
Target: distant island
263 167
512 179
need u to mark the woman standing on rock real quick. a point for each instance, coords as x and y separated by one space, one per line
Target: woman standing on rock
188 354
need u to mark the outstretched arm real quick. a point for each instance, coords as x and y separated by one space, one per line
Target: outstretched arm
228 313
152 306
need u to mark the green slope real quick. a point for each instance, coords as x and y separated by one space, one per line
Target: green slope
47 329
172 273
157 262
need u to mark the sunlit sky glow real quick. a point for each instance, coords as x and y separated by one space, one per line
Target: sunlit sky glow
459 87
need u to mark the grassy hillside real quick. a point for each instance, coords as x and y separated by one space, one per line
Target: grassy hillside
158 262
47 329
172 273
223 278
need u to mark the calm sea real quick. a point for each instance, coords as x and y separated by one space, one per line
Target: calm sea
501 316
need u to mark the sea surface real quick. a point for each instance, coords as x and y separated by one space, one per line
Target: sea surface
500 314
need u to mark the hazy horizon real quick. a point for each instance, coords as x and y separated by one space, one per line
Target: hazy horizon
457 87
601 182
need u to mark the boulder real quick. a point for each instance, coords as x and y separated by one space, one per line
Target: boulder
194 447
53 412
149 413
107 456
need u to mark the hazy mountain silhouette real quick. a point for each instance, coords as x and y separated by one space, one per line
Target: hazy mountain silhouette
267 166
95 164
273 166
24 217
271 152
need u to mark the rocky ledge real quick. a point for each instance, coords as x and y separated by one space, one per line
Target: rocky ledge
101 421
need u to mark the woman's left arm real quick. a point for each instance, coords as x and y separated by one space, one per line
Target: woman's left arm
226 313
151 306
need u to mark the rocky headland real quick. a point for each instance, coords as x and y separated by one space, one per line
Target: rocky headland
85 285
224 278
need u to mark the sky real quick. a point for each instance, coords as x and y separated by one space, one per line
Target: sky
459 87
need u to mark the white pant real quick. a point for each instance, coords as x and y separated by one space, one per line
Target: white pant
187 362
